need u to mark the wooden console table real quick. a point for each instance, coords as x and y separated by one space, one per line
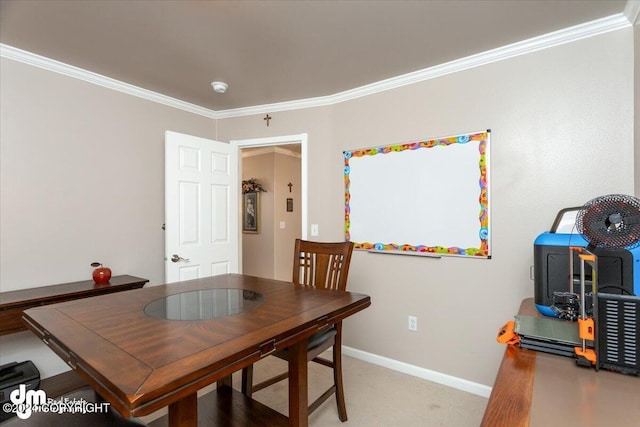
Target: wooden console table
13 303
538 389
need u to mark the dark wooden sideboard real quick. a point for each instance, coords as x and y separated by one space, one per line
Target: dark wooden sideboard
13 303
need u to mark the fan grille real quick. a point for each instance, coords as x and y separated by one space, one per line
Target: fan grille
610 222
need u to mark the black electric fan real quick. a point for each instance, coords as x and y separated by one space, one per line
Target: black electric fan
612 222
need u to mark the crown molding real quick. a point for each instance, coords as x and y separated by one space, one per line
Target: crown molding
567 35
271 149
48 64
632 11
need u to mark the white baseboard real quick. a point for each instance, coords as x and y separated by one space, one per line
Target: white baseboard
416 371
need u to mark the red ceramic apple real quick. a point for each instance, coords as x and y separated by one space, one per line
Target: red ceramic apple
101 274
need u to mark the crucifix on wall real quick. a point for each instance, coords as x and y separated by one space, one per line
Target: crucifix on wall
267 118
289 199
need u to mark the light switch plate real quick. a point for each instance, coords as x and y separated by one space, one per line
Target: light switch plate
314 230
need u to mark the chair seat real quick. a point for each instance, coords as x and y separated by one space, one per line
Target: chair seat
108 418
318 343
320 338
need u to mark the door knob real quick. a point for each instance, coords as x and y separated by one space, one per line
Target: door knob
176 258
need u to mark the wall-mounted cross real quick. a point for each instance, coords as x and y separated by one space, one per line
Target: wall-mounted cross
290 185
267 118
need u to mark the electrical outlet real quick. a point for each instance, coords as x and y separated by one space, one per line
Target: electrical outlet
413 323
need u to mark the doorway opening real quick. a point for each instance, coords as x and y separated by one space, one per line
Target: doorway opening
280 165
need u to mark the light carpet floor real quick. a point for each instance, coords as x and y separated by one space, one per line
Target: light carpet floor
375 396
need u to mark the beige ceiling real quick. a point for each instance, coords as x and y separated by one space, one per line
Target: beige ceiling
275 51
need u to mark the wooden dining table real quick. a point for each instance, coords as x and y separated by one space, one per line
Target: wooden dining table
146 349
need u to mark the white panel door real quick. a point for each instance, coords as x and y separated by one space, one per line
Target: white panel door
201 207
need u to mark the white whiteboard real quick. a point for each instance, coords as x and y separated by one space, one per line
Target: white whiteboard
427 197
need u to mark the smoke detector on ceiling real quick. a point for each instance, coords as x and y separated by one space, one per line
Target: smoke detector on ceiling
219 87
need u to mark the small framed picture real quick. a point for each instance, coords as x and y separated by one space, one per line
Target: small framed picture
250 213
289 204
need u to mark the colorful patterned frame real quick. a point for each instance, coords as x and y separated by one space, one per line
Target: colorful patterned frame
483 249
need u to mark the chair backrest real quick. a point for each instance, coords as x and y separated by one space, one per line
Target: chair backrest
322 265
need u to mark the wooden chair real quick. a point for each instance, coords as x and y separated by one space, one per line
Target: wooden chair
326 266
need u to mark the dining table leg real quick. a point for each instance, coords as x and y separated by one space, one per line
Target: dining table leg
298 392
184 412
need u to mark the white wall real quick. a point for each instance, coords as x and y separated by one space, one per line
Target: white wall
81 180
562 133
636 50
